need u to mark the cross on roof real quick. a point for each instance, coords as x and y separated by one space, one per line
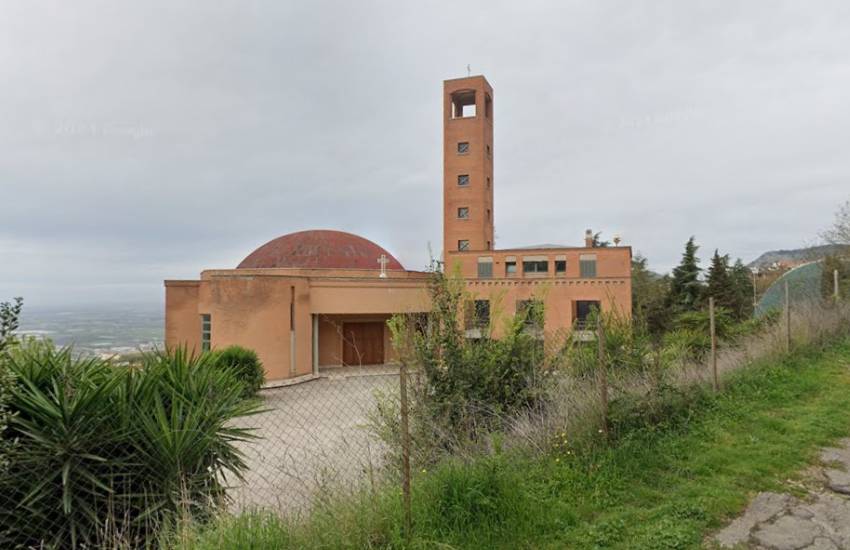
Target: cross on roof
383 260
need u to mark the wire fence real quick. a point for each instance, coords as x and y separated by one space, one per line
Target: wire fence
318 440
315 439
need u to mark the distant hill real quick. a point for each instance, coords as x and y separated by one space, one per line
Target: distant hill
797 255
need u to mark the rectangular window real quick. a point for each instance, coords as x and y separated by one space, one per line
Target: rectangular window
584 311
488 151
485 268
535 266
587 265
510 268
531 312
463 180
560 267
482 313
206 331
476 314
462 147
463 244
463 213
488 182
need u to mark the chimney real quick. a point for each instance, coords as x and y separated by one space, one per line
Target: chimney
588 238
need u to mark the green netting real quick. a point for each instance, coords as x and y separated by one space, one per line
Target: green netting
804 284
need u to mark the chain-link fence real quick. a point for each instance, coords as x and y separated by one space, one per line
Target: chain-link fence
315 438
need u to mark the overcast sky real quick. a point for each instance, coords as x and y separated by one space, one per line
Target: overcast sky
150 140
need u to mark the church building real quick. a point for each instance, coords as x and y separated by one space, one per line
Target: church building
316 299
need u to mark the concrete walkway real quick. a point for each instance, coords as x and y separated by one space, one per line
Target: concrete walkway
818 521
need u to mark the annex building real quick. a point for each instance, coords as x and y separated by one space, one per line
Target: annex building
321 298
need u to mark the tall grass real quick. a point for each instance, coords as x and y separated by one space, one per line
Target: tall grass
108 454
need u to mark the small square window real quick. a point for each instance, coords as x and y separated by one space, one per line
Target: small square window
463 180
560 266
463 213
462 147
463 244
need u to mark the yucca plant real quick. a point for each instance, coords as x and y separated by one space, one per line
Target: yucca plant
100 444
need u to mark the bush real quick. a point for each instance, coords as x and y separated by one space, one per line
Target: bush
245 366
108 453
466 386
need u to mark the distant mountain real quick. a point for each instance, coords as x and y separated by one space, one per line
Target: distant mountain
797 255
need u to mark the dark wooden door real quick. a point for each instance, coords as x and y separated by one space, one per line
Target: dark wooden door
363 343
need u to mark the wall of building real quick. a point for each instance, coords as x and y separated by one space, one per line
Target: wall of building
252 309
372 296
611 287
558 296
182 321
255 312
610 262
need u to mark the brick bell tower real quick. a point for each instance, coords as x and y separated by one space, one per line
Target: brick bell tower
467 165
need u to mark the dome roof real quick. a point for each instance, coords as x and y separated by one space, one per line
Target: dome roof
319 249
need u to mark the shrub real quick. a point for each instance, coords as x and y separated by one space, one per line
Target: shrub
245 366
465 385
108 452
9 315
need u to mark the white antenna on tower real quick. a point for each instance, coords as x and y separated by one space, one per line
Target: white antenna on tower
468 70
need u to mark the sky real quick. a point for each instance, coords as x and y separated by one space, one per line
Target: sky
143 141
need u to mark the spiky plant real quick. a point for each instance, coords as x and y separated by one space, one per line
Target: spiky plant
100 445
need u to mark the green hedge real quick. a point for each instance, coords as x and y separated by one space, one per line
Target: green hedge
245 366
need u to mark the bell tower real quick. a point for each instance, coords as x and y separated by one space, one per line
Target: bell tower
467 165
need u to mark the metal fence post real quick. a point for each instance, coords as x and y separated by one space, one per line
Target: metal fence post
405 449
602 373
835 291
713 330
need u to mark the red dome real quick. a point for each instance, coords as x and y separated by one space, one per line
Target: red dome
319 249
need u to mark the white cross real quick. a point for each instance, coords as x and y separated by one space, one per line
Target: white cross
383 261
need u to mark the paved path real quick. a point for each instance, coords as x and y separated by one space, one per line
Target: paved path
818 521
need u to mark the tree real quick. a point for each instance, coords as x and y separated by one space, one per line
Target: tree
719 283
649 291
839 233
685 286
598 242
742 289
10 313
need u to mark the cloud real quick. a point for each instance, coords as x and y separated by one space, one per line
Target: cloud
151 141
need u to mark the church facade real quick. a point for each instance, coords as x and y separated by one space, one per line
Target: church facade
316 299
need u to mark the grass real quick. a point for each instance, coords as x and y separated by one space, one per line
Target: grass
659 486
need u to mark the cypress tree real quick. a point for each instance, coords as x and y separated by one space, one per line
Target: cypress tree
718 282
742 288
685 287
